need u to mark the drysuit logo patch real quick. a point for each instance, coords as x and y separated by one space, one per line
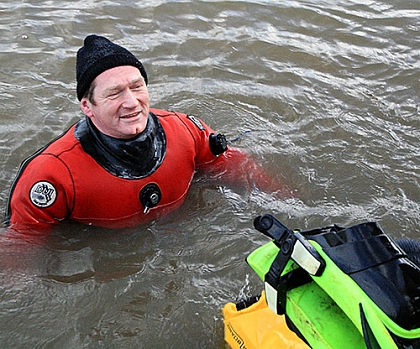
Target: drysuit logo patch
43 194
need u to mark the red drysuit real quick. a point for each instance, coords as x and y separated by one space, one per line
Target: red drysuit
63 181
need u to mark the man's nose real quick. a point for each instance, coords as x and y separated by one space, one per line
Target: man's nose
130 99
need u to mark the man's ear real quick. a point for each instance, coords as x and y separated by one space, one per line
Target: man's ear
86 107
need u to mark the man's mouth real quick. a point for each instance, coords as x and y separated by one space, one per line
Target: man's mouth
128 116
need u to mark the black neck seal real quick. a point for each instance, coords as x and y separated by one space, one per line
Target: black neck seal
134 158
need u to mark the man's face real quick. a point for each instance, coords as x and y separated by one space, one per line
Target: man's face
121 102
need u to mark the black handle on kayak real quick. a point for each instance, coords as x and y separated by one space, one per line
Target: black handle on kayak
291 244
271 227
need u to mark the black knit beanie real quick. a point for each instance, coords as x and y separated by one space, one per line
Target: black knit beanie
97 55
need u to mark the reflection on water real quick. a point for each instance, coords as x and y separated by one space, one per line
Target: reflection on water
326 95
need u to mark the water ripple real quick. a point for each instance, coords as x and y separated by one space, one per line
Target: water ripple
326 94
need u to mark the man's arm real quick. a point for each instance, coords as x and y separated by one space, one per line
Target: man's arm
41 196
237 168
233 167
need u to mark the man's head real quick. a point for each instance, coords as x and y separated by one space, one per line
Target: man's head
111 86
97 55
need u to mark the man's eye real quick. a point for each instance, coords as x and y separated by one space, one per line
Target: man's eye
113 94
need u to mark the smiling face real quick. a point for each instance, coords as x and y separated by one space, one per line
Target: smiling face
119 106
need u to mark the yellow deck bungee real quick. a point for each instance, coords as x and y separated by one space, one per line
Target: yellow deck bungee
258 327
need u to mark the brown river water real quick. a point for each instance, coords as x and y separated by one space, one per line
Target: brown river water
325 94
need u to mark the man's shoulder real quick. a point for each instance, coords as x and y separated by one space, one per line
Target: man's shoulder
189 120
62 144
51 160
165 113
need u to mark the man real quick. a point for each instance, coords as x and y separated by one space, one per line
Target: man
124 164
